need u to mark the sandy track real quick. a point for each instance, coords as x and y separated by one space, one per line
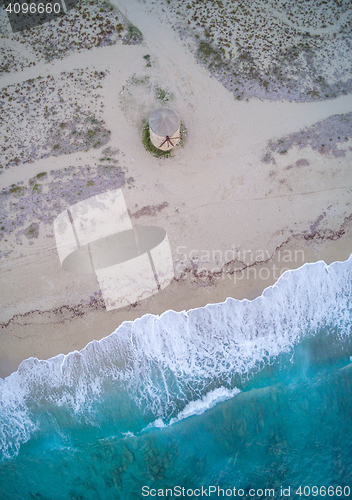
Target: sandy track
218 119
226 137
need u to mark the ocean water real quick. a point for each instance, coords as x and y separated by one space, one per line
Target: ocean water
224 401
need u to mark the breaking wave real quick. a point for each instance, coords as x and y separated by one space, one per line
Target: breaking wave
165 368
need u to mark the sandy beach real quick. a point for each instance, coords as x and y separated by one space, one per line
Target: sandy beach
261 184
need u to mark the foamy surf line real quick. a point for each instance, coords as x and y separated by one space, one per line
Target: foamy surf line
165 363
198 407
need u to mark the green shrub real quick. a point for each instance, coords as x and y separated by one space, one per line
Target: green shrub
163 95
133 37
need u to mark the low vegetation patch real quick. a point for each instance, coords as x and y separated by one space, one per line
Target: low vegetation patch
163 95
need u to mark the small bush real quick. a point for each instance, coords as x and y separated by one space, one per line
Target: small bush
133 37
163 95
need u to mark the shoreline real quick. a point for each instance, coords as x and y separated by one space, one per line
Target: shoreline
44 334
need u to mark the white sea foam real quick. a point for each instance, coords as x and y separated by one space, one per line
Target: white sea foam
170 361
199 406
208 401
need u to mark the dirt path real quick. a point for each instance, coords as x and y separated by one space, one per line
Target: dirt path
218 125
220 164
219 120
219 171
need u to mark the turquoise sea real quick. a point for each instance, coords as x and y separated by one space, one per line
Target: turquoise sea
224 401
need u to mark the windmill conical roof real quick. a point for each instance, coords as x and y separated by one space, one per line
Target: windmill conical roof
164 121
